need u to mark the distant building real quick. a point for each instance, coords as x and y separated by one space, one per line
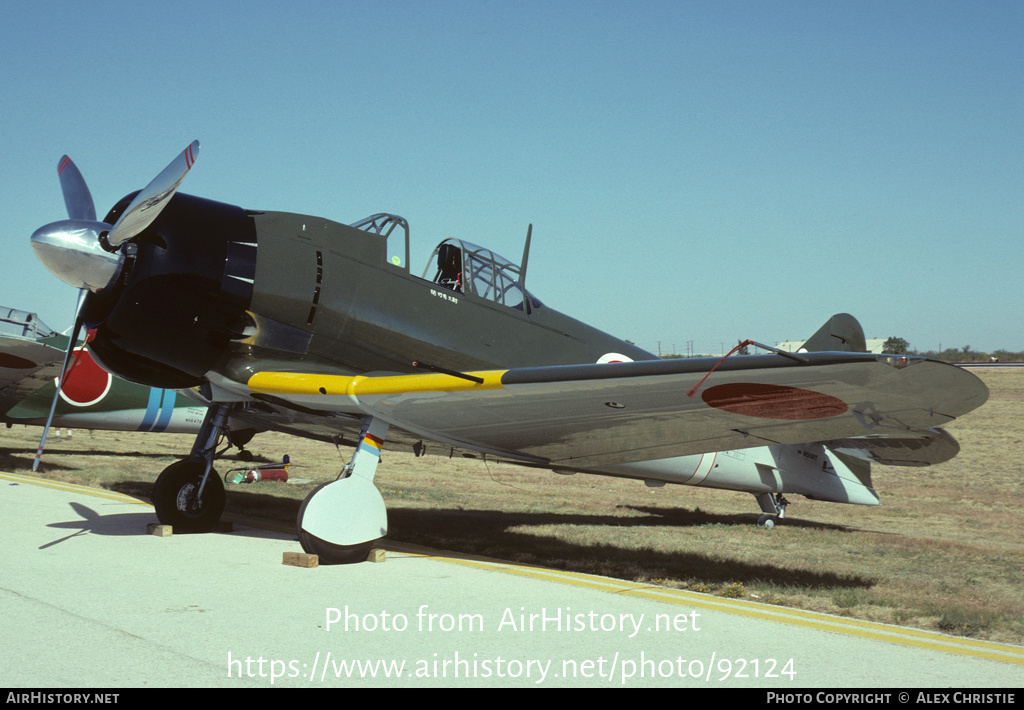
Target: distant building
875 345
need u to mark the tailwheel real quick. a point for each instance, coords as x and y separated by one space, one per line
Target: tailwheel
773 509
177 501
239 438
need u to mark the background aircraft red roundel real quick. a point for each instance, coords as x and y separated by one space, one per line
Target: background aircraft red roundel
87 383
14 362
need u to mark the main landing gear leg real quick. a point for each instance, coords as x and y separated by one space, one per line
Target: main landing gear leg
773 506
189 495
339 521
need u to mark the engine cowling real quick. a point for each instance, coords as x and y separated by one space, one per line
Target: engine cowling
181 297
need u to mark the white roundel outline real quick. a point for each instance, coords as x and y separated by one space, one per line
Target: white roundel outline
106 389
613 357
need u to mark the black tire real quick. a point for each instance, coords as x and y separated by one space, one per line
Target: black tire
329 553
174 493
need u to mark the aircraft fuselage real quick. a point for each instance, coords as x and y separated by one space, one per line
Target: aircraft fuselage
217 289
368 314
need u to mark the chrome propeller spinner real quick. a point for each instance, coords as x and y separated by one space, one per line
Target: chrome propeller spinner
73 251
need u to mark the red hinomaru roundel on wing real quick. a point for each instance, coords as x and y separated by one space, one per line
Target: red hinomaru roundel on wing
773 401
87 383
14 362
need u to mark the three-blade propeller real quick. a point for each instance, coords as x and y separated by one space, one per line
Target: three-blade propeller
86 253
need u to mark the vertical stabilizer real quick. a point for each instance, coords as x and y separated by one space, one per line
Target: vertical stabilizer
840 333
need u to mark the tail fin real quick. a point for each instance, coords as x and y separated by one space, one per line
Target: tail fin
840 333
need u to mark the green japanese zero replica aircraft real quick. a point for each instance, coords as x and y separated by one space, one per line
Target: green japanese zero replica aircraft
300 324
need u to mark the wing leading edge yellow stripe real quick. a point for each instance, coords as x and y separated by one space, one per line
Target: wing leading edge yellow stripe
302 383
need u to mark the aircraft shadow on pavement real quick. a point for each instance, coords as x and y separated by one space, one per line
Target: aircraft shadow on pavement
493 533
89 521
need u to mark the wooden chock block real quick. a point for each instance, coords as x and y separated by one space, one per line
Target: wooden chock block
300 559
159 530
376 555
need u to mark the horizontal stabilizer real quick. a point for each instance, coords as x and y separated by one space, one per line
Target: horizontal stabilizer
911 448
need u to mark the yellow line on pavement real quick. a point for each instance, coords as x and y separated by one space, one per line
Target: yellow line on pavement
918 638
70 487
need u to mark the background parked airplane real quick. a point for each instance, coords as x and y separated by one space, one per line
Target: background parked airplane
31 355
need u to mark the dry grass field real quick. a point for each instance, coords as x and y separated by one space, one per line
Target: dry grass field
944 551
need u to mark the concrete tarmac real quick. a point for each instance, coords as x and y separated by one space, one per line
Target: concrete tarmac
90 600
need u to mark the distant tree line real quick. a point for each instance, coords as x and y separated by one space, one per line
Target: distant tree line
899 346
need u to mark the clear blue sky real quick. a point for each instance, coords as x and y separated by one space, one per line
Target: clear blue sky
695 171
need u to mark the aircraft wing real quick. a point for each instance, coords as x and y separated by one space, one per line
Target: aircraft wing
25 366
584 416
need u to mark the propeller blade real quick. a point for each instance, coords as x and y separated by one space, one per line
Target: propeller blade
77 197
147 204
60 381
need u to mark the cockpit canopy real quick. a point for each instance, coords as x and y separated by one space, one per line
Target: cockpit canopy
457 265
465 267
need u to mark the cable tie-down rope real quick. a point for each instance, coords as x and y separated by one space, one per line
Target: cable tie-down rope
693 390
745 343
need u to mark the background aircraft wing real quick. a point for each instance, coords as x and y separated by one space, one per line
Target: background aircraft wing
584 416
25 366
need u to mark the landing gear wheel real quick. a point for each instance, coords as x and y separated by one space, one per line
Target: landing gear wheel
174 497
328 552
766 522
